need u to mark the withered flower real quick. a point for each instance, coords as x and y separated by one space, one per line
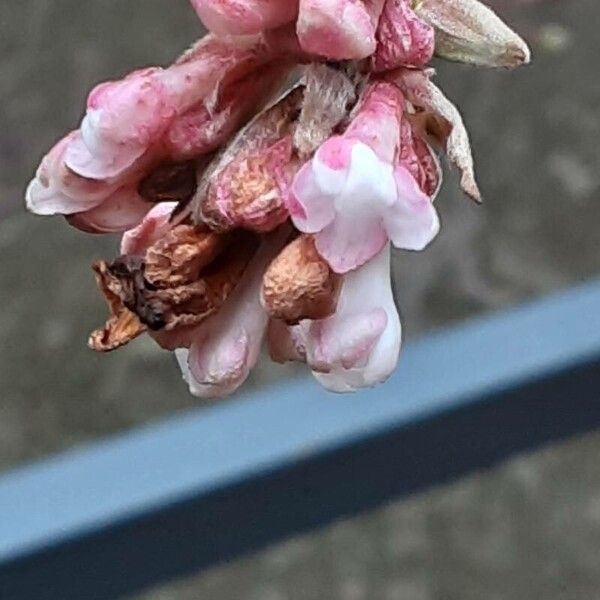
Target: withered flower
184 278
123 324
300 284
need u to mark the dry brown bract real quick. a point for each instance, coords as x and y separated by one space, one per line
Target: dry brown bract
266 129
123 325
299 284
184 278
180 256
439 120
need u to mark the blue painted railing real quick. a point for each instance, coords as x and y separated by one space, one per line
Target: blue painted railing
197 489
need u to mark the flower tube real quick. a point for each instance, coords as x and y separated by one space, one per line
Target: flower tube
356 347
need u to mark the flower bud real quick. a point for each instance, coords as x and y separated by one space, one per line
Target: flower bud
243 17
468 31
356 347
337 29
299 284
227 346
402 38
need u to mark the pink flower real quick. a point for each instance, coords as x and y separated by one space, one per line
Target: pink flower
112 203
123 209
92 205
355 194
56 189
356 347
242 17
226 346
203 162
125 118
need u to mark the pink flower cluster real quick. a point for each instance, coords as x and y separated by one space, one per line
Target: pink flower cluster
253 208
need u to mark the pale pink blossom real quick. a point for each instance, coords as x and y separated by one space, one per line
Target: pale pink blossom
56 189
113 204
226 346
356 347
355 194
95 206
243 17
125 118
122 210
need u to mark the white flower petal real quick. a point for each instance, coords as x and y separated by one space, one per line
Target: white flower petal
364 291
412 221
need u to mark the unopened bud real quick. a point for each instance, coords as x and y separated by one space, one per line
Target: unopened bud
468 31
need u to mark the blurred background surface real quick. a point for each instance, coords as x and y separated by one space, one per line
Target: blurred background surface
529 529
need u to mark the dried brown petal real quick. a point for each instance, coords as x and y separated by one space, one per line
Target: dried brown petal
179 256
299 284
263 132
191 304
123 325
248 192
163 309
128 271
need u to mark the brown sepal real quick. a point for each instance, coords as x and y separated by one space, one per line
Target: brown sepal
179 257
123 325
173 305
299 284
